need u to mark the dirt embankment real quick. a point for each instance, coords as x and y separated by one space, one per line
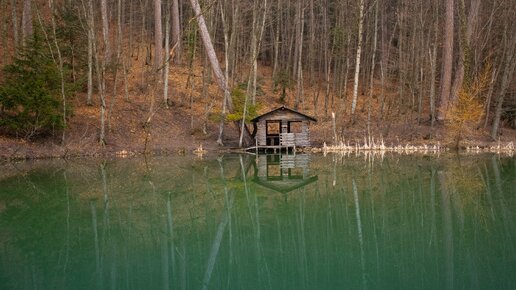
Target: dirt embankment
191 121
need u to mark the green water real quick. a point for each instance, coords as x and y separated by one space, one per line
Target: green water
237 222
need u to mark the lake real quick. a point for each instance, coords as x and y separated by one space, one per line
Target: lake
269 222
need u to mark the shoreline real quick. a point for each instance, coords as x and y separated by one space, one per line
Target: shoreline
380 148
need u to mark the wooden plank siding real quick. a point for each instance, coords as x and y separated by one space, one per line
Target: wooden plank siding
293 129
261 132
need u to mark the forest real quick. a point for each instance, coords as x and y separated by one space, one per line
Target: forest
148 75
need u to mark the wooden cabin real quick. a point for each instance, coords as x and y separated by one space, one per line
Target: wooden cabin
282 127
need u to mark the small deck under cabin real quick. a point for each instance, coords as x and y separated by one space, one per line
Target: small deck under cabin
282 129
287 142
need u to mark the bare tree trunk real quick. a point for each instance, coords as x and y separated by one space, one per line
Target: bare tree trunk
466 32
433 60
4 34
27 29
510 64
60 65
176 32
447 60
90 66
233 40
433 64
225 85
167 61
256 39
226 76
357 61
327 57
494 75
158 36
100 69
299 65
116 67
210 51
276 44
15 24
311 44
373 63
105 30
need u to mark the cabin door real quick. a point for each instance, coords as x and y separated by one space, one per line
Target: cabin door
272 133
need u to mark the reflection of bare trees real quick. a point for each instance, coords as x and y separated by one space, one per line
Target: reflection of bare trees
362 224
447 230
220 231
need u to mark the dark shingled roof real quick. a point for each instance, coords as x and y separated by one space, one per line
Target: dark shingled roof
283 108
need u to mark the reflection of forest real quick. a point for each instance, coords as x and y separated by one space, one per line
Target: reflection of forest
174 222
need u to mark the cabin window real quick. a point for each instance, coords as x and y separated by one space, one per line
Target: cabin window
274 170
296 173
295 127
273 127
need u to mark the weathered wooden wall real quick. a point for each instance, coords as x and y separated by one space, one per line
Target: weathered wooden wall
261 133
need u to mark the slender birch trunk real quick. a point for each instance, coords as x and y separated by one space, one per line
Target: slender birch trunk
357 61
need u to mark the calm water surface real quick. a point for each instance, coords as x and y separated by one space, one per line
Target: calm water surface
273 222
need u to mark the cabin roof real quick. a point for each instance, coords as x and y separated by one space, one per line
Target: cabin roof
283 186
285 109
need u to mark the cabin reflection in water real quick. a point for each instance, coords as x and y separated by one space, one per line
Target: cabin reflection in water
282 172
